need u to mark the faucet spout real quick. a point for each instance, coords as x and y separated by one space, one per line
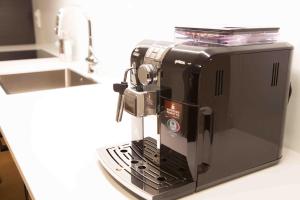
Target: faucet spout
91 58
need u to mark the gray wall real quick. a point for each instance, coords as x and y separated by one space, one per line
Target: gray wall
16 22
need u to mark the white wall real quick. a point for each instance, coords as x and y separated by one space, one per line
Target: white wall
120 24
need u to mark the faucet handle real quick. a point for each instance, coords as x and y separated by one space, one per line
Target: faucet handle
57 27
120 88
91 59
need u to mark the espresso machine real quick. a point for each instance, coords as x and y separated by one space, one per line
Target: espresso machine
219 111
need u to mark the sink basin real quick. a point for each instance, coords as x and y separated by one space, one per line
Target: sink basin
45 80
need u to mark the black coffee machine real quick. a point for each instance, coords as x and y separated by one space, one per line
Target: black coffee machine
220 114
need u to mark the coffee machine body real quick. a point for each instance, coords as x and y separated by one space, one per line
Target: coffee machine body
220 114
231 104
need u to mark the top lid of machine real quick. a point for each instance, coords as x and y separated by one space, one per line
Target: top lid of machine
227 36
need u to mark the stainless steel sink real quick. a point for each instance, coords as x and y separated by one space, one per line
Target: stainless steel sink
45 80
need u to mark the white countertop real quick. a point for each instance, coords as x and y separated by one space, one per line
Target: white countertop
53 136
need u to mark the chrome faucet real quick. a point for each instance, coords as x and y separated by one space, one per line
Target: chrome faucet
91 58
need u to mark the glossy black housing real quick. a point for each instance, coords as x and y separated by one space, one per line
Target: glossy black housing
234 102
221 114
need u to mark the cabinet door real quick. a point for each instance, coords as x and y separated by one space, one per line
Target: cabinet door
11 184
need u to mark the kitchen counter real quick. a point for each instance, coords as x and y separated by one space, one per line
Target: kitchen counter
53 136
94 100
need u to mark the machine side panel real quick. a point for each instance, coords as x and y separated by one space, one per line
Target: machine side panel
249 111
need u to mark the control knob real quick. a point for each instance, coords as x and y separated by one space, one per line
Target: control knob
147 74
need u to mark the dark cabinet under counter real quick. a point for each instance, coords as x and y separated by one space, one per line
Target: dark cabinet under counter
11 183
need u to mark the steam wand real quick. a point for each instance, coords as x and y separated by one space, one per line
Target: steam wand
120 88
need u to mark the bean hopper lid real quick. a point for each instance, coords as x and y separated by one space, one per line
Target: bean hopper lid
227 36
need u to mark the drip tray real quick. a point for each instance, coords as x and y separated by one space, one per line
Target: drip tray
147 171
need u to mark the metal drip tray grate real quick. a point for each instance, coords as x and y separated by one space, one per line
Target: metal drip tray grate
150 173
